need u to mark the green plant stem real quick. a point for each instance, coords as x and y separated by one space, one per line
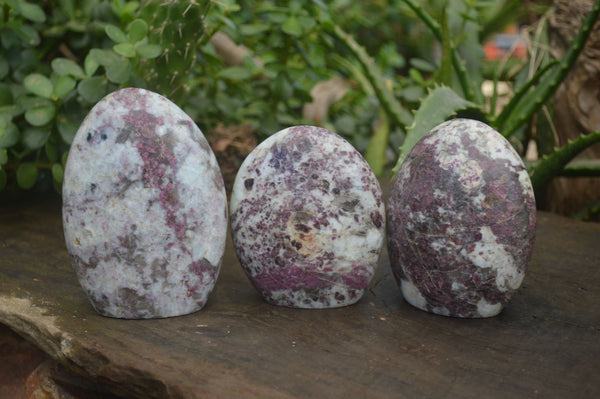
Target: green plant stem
552 164
582 168
447 51
458 64
516 98
355 72
375 154
397 114
534 99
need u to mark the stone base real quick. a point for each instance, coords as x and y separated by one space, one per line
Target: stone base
321 299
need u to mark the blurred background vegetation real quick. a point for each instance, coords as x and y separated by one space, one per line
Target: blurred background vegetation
374 72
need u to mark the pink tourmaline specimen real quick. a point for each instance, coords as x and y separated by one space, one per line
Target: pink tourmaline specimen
144 208
461 221
307 219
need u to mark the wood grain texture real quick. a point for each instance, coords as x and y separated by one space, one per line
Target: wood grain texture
546 343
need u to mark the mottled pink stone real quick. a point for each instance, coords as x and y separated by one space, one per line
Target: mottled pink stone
461 221
307 219
144 208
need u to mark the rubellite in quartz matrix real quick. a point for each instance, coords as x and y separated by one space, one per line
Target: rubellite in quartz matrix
461 221
144 208
307 219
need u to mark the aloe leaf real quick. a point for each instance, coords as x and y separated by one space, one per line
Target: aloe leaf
552 164
440 104
375 154
516 98
534 99
582 168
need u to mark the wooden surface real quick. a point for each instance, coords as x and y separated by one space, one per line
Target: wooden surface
545 344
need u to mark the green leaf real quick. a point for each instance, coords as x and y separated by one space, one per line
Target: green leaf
38 84
412 93
235 73
440 104
104 57
64 86
125 49
51 150
9 38
119 71
4 67
275 17
27 175
282 87
68 7
11 110
3 156
2 179
32 37
253 29
375 154
65 66
57 172
307 23
422 65
6 97
292 26
508 108
148 51
128 10
66 128
30 102
552 164
90 65
9 133
92 89
40 116
34 138
138 29
31 11
115 34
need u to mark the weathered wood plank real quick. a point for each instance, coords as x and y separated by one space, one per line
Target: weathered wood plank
545 344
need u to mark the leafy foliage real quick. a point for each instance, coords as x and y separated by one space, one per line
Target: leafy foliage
528 101
59 59
57 62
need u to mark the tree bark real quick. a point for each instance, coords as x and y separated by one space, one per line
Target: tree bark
576 105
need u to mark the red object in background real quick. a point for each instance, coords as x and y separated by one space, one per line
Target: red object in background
510 43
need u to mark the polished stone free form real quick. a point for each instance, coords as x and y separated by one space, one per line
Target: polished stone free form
144 208
307 219
461 221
